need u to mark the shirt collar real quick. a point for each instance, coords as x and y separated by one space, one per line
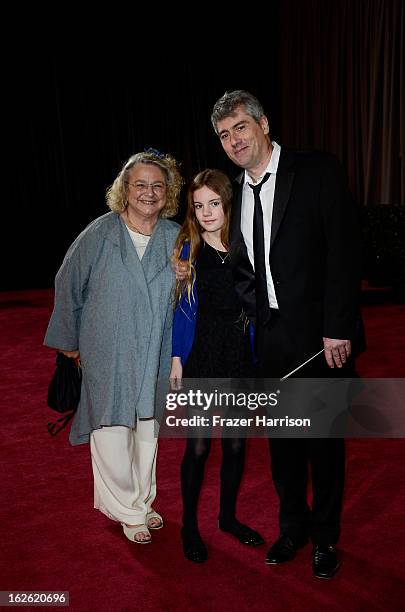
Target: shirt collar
271 166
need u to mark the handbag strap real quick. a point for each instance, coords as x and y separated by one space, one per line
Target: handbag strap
53 428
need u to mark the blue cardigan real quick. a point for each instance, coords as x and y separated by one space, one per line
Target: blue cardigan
185 320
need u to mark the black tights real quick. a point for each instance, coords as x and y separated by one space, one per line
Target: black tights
192 475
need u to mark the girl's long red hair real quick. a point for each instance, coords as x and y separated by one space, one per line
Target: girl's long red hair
191 231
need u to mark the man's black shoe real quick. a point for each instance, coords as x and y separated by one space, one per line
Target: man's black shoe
325 562
284 549
193 546
243 533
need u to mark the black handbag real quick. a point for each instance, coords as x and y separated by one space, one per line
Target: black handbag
64 391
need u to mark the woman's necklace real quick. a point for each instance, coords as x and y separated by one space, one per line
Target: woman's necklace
223 259
133 227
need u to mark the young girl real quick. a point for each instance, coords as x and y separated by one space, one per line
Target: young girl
209 342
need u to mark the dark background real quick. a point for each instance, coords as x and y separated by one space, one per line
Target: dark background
76 120
330 76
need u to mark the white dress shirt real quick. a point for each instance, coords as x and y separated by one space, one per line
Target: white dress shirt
248 207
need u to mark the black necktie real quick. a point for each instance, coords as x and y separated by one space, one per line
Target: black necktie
262 297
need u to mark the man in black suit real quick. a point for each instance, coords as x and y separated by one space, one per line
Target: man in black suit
296 263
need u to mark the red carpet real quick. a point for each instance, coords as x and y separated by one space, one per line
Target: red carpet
52 539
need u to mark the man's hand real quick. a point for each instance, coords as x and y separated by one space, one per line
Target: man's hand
337 352
179 267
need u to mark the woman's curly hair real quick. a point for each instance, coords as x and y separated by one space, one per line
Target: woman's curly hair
116 194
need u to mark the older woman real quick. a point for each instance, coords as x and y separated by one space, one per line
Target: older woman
113 312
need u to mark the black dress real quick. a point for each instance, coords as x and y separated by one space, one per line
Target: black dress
221 349
221 346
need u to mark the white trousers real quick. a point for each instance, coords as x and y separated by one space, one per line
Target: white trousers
124 470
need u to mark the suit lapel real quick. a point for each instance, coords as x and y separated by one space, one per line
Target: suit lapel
237 245
235 233
284 181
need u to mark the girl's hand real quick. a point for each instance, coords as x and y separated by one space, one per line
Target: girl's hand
176 374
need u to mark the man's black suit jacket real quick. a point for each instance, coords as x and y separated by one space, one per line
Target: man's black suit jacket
314 251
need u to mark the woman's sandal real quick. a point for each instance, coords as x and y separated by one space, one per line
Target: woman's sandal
131 533
152 515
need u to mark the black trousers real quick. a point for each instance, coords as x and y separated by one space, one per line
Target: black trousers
293 461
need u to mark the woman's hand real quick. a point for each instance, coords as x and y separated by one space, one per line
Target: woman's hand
179 266
75 355
176 374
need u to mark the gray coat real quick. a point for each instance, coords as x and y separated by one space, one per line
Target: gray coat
117 310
